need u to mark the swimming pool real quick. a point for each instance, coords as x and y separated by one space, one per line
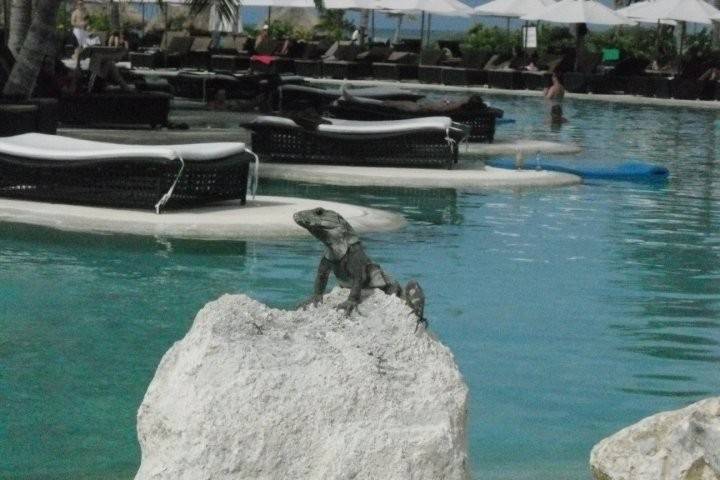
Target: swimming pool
572 312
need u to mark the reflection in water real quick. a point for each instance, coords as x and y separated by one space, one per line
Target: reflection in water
667 244
436 206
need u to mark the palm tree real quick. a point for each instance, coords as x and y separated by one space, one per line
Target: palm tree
226 8
38 45
20 18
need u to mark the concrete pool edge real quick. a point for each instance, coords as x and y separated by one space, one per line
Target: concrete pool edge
265 218
485 178
610 98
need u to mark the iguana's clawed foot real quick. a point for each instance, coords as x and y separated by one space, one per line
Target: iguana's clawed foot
421 321
315 300
348 305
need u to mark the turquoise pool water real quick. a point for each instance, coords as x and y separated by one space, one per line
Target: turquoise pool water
572 312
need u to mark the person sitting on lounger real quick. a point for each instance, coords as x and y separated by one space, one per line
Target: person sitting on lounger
711 75
118 39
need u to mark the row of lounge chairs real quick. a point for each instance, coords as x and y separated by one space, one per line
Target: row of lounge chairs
344 60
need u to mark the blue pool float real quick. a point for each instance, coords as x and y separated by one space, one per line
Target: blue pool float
504 121
632 171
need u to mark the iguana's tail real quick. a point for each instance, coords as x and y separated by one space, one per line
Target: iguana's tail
415 299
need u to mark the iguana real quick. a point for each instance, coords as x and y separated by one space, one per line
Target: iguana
346 258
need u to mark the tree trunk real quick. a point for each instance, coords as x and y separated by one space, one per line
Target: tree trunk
20 18
6 19
716 29
39 44
114 15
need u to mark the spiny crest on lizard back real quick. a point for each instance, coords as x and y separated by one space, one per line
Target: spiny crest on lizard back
328 227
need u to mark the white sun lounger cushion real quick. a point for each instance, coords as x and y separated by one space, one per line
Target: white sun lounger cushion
53 147
356 127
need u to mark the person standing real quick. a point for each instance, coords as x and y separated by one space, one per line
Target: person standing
80 20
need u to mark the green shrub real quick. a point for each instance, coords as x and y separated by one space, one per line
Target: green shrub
554 40
494 39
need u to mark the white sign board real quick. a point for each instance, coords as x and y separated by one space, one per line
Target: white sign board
530 37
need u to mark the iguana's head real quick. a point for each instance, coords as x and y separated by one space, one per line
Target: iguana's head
328 227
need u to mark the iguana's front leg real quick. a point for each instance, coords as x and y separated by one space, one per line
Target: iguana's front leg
321 280
357 268
354 298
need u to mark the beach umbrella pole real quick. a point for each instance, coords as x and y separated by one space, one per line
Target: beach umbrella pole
422 28
429 23
372 26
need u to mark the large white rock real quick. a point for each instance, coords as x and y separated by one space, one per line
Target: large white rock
679 445
257 393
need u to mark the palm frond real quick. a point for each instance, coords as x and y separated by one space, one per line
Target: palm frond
226 8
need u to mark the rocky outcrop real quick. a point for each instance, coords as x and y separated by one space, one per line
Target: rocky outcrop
255 392
679 445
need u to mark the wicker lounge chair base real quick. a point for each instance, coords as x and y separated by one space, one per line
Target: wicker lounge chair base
277 66
463 76
394 71
115 109
536 80
345 70
229 63
473 113
66 170
427 142
506 79
430 74
308 68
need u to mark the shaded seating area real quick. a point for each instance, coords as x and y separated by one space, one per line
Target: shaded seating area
58 169
430 142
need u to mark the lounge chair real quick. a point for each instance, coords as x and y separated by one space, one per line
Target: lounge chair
470 69
310 65
542 78
429 70
198 57
472 112
344 64
398 66
430 142
231 55
178 46
66 170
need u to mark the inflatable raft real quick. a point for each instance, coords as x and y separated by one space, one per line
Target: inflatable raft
631 171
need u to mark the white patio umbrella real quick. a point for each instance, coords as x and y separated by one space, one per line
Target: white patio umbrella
682 11
450 8
690 11
278 3
634 11
579 11
511 8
